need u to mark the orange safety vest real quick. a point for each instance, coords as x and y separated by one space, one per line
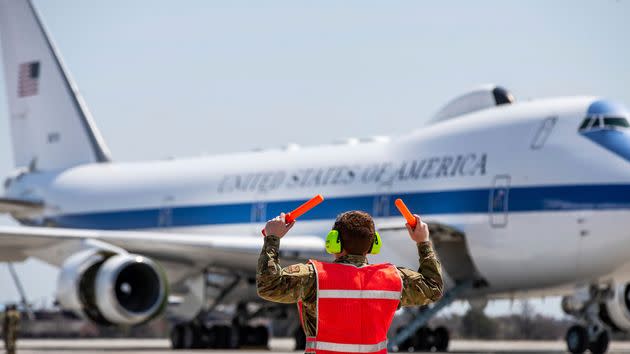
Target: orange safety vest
355 307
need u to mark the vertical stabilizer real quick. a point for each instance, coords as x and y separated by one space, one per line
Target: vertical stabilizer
51 127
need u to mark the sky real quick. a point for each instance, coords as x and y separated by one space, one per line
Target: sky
173 79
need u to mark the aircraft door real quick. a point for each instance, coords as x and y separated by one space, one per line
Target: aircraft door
381 209
165 214
498 201
381 202
381 206
258 215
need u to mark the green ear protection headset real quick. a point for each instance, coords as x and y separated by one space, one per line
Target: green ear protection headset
333 243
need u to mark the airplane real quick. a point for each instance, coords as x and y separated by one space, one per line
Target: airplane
523 199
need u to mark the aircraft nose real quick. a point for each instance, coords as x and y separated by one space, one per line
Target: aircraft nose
606 124
606 107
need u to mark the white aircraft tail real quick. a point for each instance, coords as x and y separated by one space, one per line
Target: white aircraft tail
51 127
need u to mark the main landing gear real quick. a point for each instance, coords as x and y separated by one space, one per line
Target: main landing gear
216 333
193 335
417 335
591 333
219 326
580 338
426 340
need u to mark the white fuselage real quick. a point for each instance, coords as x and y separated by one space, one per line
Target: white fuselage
541 206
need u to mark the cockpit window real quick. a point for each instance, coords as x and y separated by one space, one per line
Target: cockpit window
599 122
615 122
595 123
585 123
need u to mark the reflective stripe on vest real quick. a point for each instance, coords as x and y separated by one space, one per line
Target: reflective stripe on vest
359 294
310 345
313 345
355 307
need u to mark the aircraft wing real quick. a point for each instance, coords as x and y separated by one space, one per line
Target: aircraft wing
20 207
450 244
181 255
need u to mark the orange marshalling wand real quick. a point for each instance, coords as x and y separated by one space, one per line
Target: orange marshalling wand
411 220
299 211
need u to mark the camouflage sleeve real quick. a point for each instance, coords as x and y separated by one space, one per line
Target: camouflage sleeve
424 286
285 285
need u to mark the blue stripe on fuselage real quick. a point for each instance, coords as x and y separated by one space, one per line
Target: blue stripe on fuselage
521 199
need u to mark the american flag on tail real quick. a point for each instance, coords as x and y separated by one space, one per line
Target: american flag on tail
28 79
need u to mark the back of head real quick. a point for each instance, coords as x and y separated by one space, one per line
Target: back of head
356 229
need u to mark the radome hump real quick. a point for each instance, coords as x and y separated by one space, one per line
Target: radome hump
483 97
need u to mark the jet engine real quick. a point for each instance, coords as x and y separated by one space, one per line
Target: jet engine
112 288
615 311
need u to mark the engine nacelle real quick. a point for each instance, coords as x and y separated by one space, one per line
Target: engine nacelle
110 288
615 311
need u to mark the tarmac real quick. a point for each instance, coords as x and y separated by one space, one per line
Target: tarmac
277 345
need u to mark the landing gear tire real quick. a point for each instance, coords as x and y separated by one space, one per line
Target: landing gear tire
176 337
407 344
442 338
577 339
191 336
425 340
300 339
253 336
186 336
223 337
261 336
600 345
218 337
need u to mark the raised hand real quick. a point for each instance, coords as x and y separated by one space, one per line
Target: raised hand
278 226
420 233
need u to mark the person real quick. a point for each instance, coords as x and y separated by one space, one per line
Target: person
10 328
348 305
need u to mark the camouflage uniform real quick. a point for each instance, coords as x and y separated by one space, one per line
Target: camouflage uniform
10 327
298 281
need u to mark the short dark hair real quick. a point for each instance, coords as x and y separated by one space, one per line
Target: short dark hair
356 229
